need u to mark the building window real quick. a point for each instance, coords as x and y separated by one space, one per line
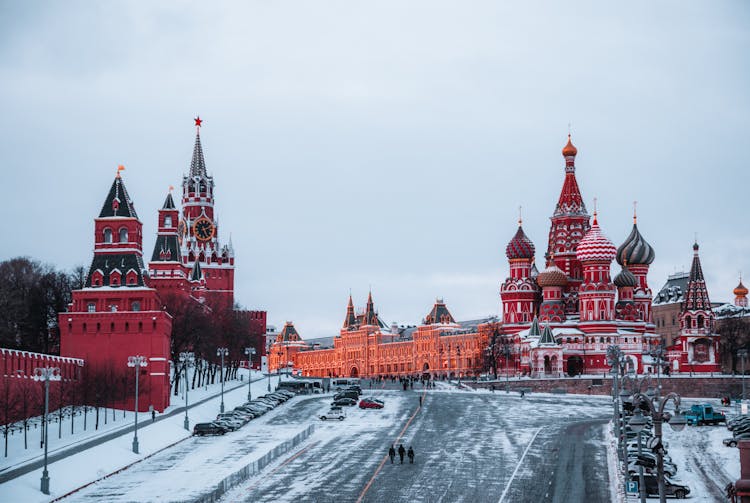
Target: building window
136 306
123 235
168 221
107 235
91 307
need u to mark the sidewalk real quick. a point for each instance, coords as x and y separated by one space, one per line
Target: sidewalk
21 461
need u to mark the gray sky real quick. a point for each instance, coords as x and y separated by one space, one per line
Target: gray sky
383 143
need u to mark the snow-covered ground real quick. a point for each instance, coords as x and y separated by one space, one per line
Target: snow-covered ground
703 462
79 469
61 438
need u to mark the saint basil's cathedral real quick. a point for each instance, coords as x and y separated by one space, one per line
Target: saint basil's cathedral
122 310
555 322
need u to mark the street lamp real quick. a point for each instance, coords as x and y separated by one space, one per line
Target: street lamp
187 359
250 352
458 364
637 422
677 422
742 353
46 374
222 352
137 362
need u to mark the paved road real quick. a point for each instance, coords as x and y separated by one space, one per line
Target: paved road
468 449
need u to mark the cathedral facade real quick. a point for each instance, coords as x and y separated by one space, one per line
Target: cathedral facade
555 322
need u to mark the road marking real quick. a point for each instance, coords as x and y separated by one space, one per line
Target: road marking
385 457
520 461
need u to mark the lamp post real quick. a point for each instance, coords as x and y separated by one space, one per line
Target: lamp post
637 422
46 374
137 362
616 358
458 364
742 353
250 352
677 422
187 359
222 352
507 354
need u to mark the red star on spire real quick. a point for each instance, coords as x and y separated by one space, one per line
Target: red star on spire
198 121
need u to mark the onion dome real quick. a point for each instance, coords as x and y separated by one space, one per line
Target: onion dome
741 290
520 246
625 279
595 246
635 250
552 276
569 150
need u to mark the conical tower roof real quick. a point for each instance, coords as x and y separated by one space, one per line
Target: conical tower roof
169 203
370 317
351 318
196 274
198 163
534 329
118 203
439 313
570 201
696 298
547 338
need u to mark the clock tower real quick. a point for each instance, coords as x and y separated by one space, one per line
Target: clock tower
198 229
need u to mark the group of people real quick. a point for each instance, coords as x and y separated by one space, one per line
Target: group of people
401 452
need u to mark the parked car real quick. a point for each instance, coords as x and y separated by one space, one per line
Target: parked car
346 394
344 401
211 428
286 392
672 487
334 413
732 442
354 387
229 424
371 403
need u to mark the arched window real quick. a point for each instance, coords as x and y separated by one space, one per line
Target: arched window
123 235
107 235
700 321
688 322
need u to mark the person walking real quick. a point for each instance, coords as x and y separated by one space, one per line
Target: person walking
392 453
411 455
401 452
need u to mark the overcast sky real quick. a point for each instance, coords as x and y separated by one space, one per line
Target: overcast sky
380 144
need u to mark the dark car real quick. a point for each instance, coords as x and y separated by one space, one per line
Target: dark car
346 394
202 429
671 487
354 387
371 403
344 401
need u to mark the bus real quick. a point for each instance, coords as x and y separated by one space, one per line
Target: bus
303 386
344 382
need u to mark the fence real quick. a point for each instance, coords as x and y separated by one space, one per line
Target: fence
255 467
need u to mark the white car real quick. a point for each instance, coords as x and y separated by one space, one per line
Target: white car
334 413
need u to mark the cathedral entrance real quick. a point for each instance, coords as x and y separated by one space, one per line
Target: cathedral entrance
575 366
547 365
354 372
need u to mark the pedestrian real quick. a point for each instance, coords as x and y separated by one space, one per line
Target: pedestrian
420 400
411 455
492 388
392 453
153 415
523 392
401 452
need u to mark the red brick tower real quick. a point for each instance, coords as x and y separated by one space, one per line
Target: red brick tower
116 314
700 345
519 292
165 269
596 294
198 229
637 255
570 223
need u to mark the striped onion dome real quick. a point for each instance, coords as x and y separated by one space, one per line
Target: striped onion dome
625 278
552 276
595 246
635 250
520 246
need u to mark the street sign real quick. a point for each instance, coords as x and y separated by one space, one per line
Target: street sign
631 487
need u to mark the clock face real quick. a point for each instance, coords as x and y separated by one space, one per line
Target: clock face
181 230
203 229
